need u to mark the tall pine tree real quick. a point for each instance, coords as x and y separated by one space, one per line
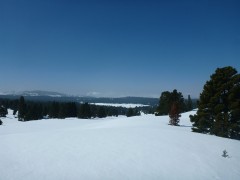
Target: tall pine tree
219 105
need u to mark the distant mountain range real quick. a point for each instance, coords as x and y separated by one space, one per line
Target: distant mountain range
55 96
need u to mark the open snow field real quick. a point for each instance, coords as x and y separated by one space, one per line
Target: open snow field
143 147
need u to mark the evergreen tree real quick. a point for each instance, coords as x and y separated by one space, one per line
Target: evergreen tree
71 109
219 105
21 109
174 114
101 112
14 112
1 122
54 110
130 112
167 99
85 111
189 104
3 111
62 111
164 103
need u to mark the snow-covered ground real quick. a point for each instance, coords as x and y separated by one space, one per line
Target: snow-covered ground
121 105
143 147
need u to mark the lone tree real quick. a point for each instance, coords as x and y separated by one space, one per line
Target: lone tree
219 105
21 109
166 101
174 114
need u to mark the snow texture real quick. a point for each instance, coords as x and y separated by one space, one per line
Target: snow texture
142 147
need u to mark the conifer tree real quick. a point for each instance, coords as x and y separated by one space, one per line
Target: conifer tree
167 99
189 104
21 109
101 112
174 114
54 110
219 105
85 111
3 111
130 112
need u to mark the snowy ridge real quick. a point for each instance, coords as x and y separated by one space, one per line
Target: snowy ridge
141 147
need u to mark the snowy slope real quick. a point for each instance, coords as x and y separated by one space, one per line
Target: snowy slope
121 148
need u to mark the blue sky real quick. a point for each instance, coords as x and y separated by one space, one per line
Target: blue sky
116 48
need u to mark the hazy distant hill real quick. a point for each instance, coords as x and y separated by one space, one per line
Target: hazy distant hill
55 96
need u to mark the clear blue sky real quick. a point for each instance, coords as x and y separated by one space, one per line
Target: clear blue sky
116 48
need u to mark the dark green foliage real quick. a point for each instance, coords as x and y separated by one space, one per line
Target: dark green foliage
189 104
132 112
84 111
54 110
219 105
3 111
174 114
167 99
101 112
111 111
21 109
33 112
14 112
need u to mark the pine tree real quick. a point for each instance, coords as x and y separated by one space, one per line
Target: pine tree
1 122
101 112
21 109
189 104
85 111
219 105
3 111
130 112
164 103
174 114
54 110
167 99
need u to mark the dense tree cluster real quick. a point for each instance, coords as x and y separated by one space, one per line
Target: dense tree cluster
219 105
31 110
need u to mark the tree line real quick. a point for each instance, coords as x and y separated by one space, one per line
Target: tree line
32 110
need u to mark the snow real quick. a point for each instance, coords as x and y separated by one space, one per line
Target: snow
121 105
141 147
